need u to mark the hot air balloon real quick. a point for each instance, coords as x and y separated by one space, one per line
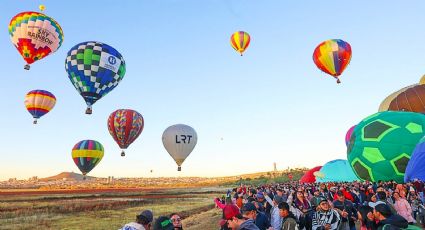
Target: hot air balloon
332 57
39 102
42 7
309 176
125 125
385 104
319 174
381 145
240 41
336 171
415 167
94 69
348 135
179 141
87 154
35 35
410 98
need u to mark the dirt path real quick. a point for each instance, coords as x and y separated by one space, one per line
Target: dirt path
203 220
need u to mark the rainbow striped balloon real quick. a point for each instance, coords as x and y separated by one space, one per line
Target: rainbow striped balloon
332 57
35 35
39 102
240 41
87 154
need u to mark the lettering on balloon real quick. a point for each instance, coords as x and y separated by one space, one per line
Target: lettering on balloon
41 35
183 139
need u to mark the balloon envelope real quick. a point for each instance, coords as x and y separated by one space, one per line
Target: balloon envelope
332 56
179 141
35 35
125 125
39 102
87 154
348 135
385 104
416 167
94 69
337 171
309 176
381 145
240 41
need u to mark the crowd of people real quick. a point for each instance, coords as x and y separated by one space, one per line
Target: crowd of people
323 206
315 206
145 221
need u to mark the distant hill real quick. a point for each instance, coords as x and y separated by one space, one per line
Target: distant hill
67 176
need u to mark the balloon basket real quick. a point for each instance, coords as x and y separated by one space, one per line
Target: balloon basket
338 81
123 153
27 67
35 121
179 168
84 177
89 111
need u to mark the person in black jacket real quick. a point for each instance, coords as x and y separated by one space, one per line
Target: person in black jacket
346 210
383 214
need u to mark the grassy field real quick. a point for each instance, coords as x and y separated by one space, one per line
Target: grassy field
107 210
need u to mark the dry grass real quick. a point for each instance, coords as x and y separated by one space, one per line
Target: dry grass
105 212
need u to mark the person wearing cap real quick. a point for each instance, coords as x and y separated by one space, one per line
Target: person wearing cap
235 221
288 219
346 210
143 221
382 214
163 223
261 219
325 217
249 210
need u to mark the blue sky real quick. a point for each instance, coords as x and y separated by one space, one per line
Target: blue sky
271 105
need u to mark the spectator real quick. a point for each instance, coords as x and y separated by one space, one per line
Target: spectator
382 214
177 221
143 222
250 210
403 208
288 219
236 221
325 218
365 216
346 210
163 223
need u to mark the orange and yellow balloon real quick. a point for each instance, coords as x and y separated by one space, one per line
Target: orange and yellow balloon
332 57
240 41
39 102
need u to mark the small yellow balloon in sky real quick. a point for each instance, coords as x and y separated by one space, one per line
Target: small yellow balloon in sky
42 7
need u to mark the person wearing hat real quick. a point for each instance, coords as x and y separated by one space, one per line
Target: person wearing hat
382 213
163 223
235 221
346 210
143 221
288 219
325 217
250 211
261 219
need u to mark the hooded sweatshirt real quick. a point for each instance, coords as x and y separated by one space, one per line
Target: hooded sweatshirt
394 220
248 225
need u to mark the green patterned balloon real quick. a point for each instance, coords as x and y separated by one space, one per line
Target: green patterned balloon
381 145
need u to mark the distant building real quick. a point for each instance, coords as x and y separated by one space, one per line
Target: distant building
274 166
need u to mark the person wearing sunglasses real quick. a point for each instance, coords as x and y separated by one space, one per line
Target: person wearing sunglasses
177 221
